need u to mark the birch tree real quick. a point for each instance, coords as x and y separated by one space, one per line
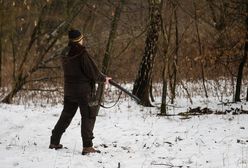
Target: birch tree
142 83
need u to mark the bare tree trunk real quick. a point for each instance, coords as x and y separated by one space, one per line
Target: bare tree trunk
204 80
200 51
108 52
166 37
151 95
164 90
18 84
1 53
243 61
246 94
142 83
13 44
175 58
112 35
1 39
187 92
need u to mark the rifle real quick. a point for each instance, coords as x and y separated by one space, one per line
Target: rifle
112 82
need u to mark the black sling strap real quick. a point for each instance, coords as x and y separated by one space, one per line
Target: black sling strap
112 82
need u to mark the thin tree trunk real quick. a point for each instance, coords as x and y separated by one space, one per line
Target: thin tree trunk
142 83
164 90
18 85
200 51
1 53
112 35
151 95
243 61
246 94
188 94
175 58
204 80
14 58
68 7
166 43
109 47
1 39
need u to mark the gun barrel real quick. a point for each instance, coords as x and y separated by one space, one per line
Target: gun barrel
112 82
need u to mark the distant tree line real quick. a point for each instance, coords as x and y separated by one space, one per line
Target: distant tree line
168 41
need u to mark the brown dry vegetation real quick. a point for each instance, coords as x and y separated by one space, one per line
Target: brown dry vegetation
222 35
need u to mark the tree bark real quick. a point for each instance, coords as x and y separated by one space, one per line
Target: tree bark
166 44
151 95
175 58
164 89
200 51
1 39
246 94
17 86
243 61
13 44
142 83
109 47
1 53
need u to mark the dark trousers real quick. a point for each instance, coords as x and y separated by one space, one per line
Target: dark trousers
87 121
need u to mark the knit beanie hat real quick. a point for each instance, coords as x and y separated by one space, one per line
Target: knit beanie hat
75 35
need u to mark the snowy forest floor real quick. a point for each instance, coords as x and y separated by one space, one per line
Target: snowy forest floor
129 136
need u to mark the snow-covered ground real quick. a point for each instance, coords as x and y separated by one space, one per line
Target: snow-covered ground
129 136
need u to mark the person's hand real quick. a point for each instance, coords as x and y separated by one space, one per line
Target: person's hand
107 80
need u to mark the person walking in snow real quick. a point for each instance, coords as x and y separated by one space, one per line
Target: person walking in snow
80 76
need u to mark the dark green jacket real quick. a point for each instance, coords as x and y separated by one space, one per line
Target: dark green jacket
80 72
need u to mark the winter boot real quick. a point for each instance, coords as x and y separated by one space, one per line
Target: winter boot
54 142
53 146
88 150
